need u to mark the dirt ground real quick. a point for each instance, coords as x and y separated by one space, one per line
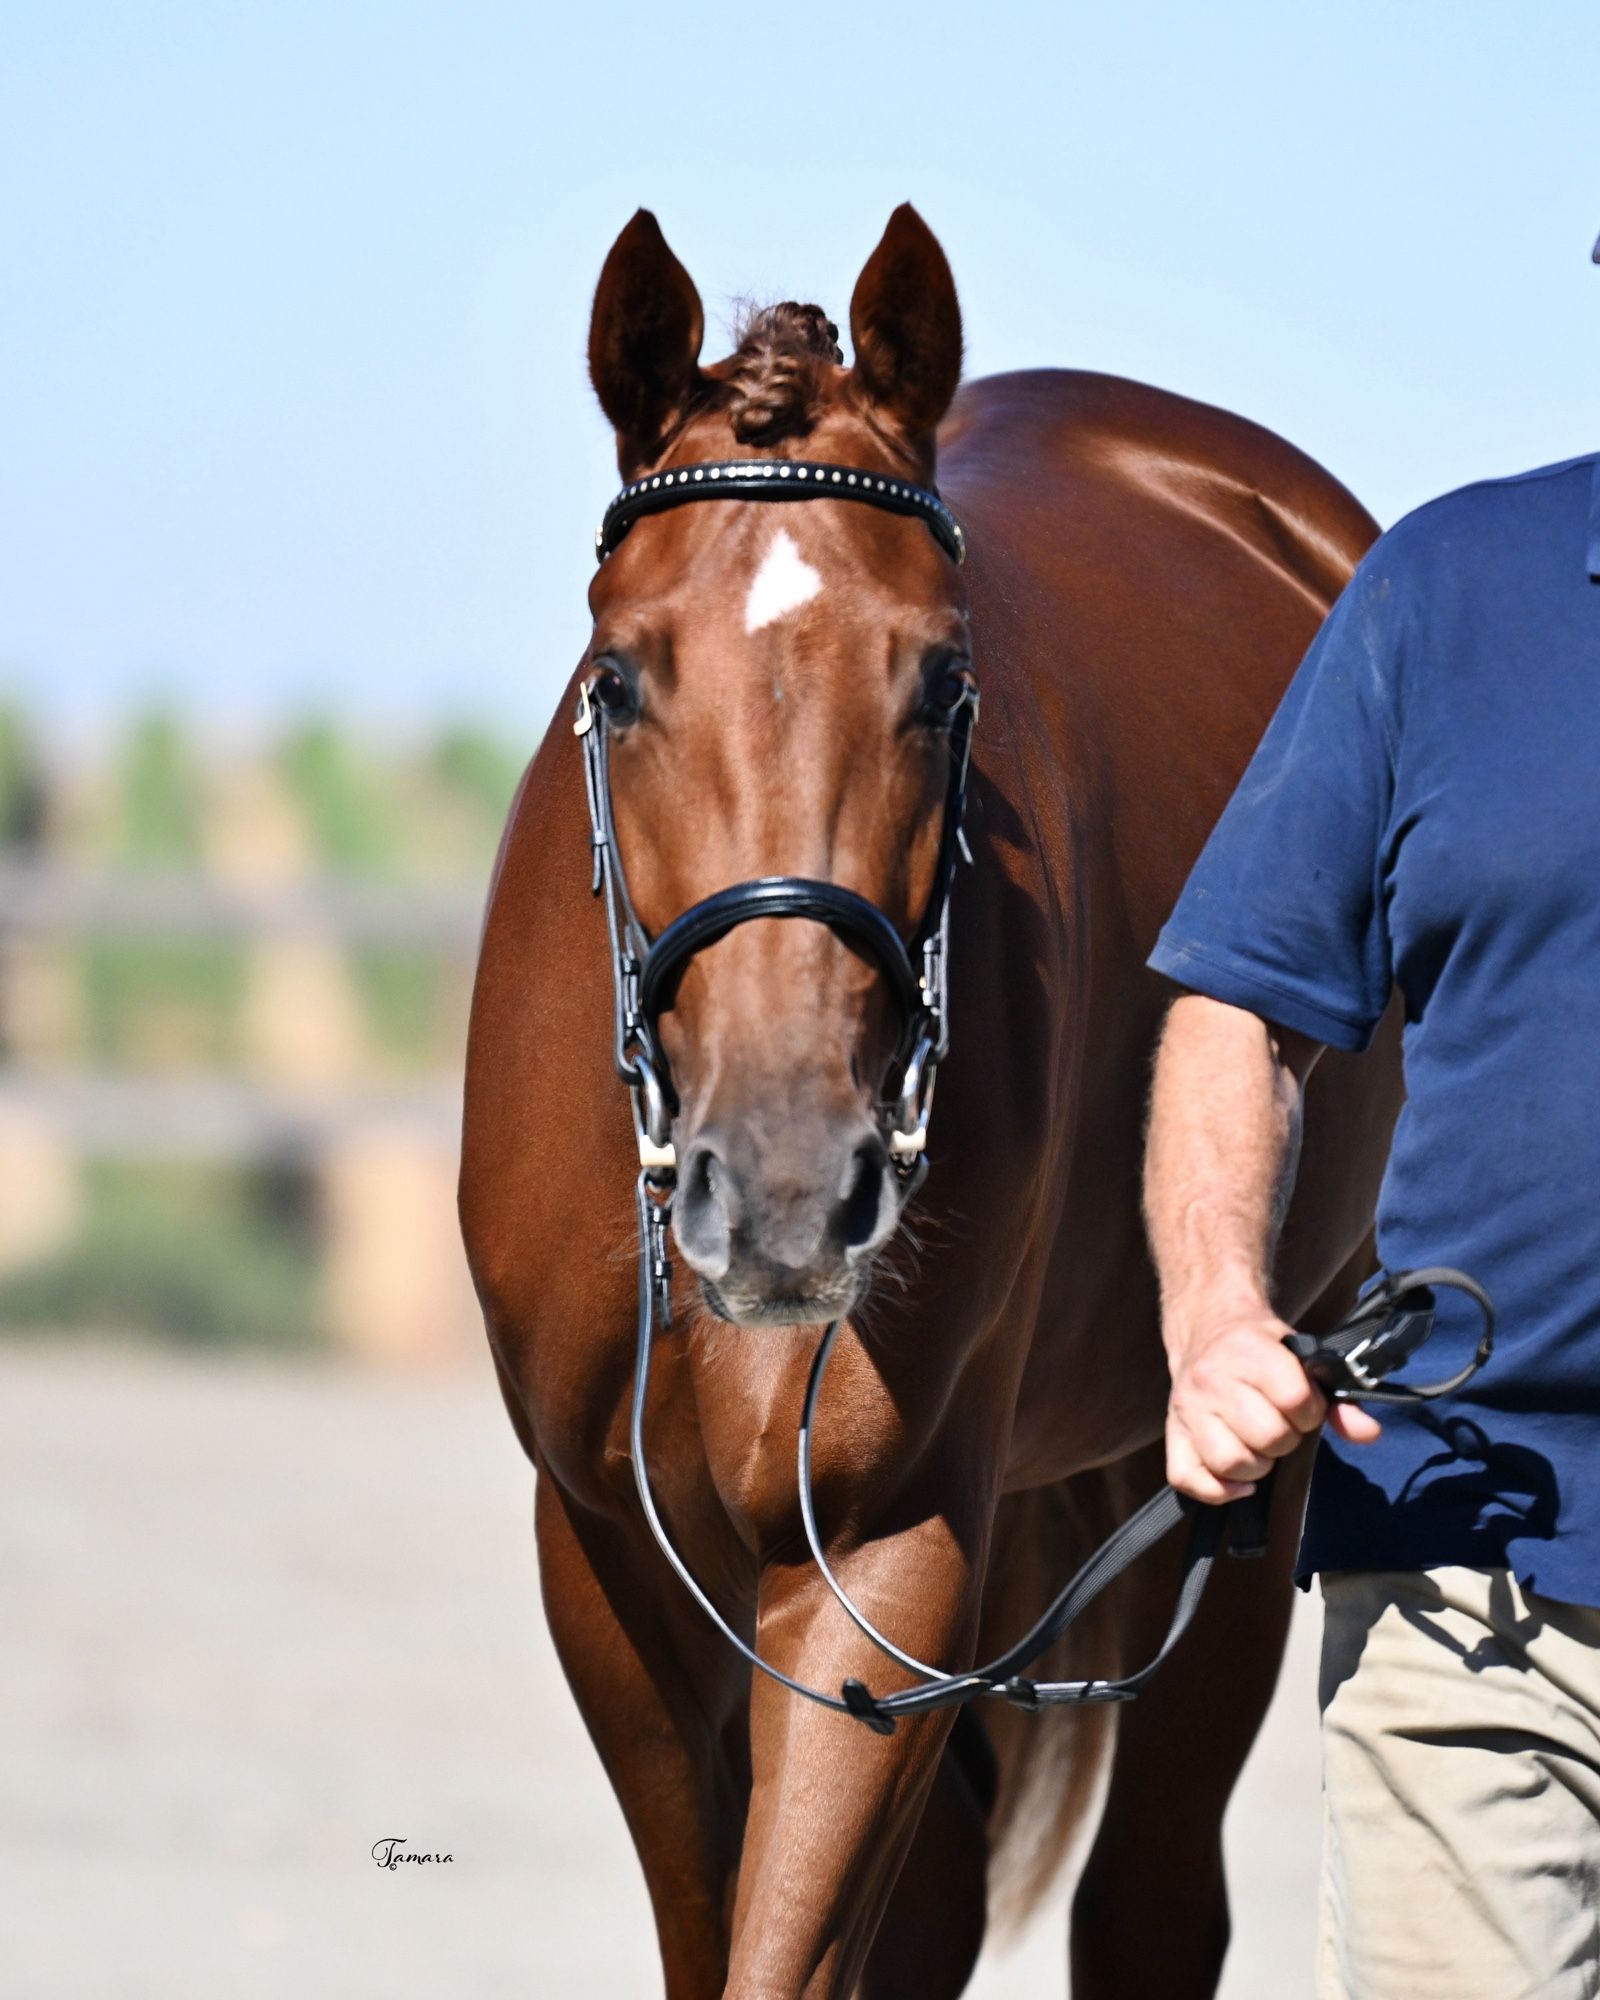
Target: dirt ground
259 1616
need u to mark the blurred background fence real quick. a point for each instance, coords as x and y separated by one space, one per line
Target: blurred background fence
233 995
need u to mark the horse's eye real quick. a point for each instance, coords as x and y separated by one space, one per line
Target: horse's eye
949 686
614 692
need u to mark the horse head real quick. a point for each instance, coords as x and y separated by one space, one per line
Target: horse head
779 684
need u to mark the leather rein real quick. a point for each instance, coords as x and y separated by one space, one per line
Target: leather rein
1381 1333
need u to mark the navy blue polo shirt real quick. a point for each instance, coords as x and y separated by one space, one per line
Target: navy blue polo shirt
1424 813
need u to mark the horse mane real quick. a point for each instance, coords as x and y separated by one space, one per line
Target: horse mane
774 383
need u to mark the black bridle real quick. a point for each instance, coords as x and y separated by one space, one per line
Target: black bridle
646 970
1383 1331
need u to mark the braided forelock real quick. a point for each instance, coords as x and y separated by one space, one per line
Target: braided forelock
772 385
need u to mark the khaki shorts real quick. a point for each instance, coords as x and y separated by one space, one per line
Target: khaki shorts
1461 1795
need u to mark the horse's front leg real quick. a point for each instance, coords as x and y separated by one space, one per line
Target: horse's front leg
834 1806
648 1678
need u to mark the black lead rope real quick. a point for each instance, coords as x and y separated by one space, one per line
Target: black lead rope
1349 1363
1379 1335
1382 1331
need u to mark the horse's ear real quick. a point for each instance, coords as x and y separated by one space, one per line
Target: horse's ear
905 325
644 339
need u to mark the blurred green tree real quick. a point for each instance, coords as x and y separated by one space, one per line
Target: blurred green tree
355 830
194 1254
479 768
22 785
153 1001
352 826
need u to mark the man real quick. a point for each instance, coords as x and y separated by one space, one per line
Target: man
1423 812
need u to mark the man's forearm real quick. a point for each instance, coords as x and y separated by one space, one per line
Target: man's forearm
1224 1141
1223 1145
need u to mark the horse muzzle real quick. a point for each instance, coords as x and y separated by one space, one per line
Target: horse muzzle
781 1226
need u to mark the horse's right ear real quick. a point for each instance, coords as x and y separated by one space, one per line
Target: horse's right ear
644 340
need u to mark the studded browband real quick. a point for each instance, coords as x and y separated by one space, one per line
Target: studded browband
776 479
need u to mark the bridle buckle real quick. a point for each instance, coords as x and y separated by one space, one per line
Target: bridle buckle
908 1134
652 1120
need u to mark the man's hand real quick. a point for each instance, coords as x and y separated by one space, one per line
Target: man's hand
1240 1400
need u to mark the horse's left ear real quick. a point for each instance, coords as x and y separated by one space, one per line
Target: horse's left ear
905 325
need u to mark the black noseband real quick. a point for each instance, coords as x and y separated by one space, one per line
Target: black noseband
863 923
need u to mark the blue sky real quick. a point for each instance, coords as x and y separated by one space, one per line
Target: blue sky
292 404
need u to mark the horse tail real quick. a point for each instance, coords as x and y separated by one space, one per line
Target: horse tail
1051 1767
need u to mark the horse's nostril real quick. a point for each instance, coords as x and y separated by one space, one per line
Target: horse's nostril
862 1220
705 1211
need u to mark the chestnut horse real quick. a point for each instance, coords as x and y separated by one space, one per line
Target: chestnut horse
1144 574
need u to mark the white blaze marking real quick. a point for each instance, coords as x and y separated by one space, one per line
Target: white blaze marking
783 583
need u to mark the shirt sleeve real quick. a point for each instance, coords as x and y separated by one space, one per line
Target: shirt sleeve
1285 910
